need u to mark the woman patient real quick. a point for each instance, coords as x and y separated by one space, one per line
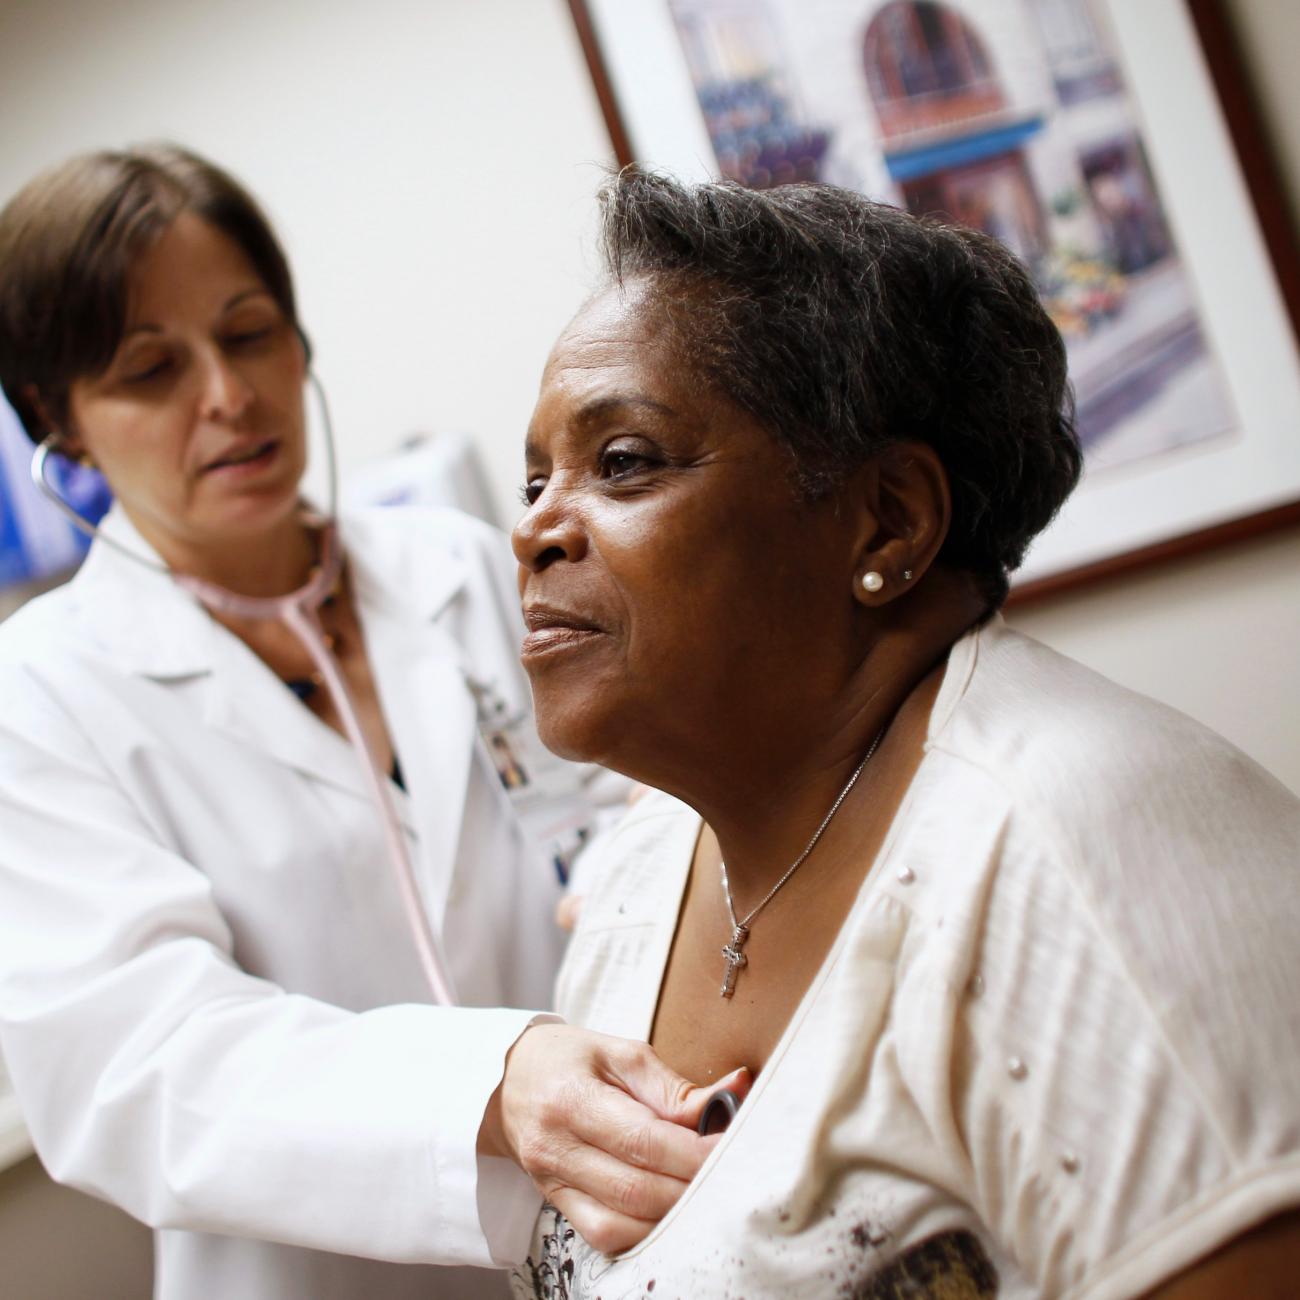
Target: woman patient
1010 951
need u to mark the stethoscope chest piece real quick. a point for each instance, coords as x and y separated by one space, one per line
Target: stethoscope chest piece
719 1111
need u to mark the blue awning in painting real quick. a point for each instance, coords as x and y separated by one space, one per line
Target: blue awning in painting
912 164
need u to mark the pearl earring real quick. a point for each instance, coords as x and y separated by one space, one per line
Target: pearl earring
907 575
872 581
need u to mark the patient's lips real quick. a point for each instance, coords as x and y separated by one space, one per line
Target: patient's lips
551 629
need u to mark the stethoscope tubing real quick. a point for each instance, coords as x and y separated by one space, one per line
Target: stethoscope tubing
299 612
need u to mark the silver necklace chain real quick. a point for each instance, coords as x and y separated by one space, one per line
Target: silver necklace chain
803 857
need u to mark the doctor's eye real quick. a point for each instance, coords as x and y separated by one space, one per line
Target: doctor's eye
252 322
249 337
141 372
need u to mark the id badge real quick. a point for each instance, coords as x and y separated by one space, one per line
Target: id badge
548 794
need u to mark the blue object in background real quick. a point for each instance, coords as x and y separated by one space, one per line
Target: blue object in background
36 542
13 559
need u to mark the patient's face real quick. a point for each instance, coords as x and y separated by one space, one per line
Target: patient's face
677 589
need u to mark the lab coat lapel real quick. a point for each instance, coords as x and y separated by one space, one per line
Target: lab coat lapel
406 595
136 616
251 703
147 625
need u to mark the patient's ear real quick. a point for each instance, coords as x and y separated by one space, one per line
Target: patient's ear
906 508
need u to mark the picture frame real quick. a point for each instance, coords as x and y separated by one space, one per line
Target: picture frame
1214 456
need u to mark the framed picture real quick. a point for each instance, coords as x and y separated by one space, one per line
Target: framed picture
1111 145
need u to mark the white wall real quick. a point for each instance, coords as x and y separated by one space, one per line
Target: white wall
431 163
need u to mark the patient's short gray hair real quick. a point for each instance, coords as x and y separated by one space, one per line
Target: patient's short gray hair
843 325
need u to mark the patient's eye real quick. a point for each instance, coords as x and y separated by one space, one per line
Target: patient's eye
628 456
531 490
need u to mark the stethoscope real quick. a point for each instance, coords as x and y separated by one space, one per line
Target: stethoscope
299 611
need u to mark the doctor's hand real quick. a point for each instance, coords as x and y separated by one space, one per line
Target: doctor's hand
602 1126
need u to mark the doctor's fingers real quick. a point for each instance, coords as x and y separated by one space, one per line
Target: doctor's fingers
608 1194
636 1069
619 1126
567 911
614 1149
641 1074
605 1229
566 1087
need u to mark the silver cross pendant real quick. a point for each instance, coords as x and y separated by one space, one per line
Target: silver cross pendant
736 960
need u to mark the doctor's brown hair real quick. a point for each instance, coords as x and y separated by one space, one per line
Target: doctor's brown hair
68 241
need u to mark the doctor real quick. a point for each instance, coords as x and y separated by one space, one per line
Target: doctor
209 1000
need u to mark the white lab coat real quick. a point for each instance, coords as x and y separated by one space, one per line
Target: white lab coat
209 1000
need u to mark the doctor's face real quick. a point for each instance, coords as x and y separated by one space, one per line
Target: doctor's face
197 422
676 588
